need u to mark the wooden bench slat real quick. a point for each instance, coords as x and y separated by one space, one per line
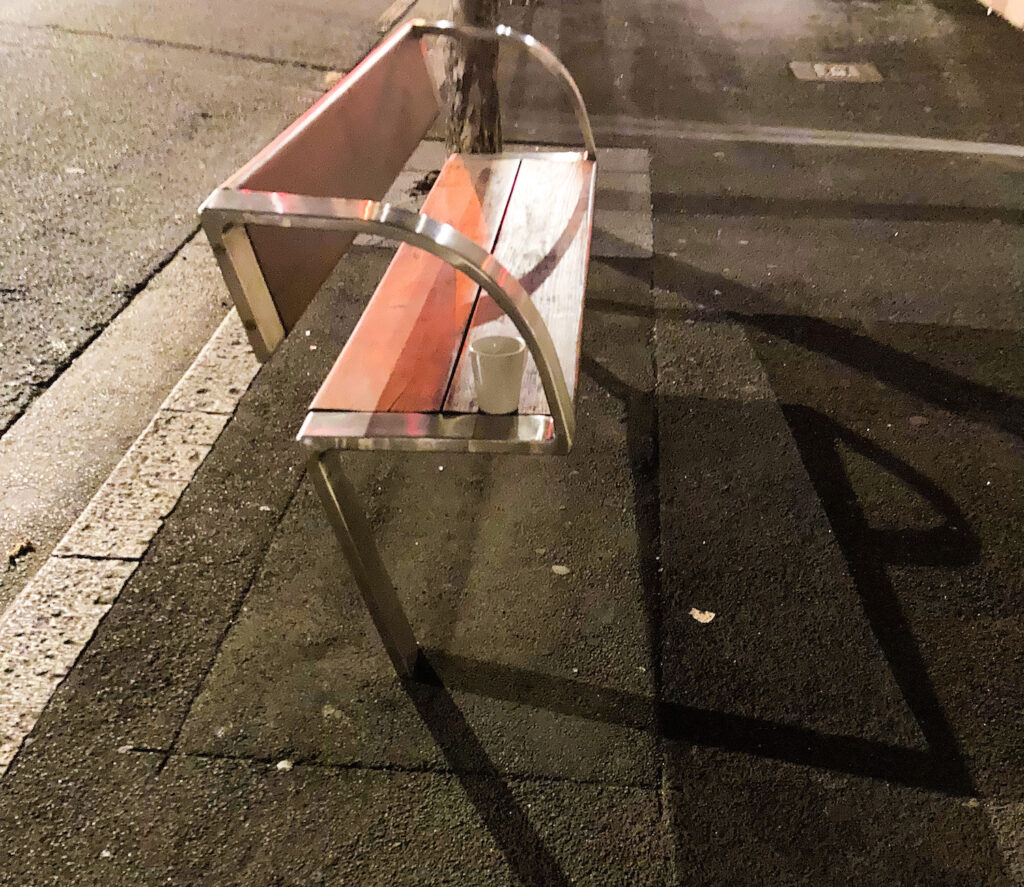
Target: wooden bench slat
401 354
545 242
351 143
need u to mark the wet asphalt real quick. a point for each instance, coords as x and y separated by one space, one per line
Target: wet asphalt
119 119
804 414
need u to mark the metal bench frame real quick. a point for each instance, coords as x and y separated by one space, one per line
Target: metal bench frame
225 215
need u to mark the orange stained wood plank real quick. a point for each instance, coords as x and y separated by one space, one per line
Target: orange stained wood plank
351 143
545 243
401 354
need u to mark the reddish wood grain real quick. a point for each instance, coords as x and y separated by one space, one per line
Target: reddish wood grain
402 352
545 243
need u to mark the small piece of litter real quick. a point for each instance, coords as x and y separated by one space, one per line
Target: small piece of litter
719 154
265 508
559 570
702 616
19 550
312 347
440 468
123 749
331 77
422 186
106 854
918 421
284 765
744 242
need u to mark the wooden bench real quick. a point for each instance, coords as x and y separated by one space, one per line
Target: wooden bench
501 246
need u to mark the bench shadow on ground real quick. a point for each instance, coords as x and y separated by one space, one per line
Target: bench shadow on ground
488 791
868 552
940 768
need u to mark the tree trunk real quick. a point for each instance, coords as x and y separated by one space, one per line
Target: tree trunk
471 94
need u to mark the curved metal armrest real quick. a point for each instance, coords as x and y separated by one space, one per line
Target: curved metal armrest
503 33
228 207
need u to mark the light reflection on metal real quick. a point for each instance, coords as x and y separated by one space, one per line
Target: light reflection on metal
226 208
430 432
229 211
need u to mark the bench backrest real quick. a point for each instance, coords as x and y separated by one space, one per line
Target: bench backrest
352 143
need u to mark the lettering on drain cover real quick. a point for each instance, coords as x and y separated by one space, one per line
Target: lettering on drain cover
836 72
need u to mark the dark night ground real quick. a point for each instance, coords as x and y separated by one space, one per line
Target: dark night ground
803 414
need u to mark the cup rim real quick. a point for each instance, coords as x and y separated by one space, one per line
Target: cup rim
518 346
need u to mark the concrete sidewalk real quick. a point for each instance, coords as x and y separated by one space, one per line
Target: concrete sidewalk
235 720
782 645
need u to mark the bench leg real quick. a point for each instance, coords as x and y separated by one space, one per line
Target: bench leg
347 517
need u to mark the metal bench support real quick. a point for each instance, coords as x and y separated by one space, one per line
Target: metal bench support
226 208
348 518
281 223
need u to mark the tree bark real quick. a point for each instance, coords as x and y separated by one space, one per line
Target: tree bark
471 94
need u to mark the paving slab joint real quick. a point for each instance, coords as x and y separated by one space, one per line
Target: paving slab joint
55 615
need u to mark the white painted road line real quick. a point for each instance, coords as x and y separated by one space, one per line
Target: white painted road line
824 138
611 128
49 623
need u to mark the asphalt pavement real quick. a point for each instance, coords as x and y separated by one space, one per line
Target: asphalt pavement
119 118
783 643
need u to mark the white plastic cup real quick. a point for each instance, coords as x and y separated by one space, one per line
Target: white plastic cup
498 363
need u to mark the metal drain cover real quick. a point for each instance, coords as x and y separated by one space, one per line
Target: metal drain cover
836 72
